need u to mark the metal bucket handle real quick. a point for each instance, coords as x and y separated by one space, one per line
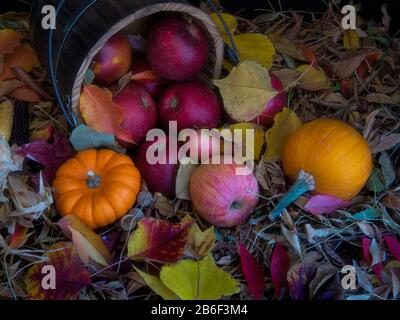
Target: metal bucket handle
230 52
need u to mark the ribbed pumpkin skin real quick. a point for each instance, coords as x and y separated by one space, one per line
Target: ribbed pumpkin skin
333 152
110 200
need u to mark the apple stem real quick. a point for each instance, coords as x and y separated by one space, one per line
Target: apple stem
305 182
93 180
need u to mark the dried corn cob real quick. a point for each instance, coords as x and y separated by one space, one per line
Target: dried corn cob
6 118
20 130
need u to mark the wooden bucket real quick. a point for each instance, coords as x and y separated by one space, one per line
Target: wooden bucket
84 26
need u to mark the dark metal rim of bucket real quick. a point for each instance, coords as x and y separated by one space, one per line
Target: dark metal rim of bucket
69 105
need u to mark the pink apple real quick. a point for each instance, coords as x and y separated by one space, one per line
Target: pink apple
177 49
113 60
139 111
203 146
220 196
191 105
159 177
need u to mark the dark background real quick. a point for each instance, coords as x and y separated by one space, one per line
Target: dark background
370 8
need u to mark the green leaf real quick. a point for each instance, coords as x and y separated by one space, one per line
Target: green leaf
388 172
374 182
368 214
83 138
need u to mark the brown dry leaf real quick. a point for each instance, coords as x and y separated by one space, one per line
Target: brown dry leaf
392 200
312 79
183 177
9 85
344 68
246 90
378 98
288 77
284 45
24 93
385 142
163 205
200 243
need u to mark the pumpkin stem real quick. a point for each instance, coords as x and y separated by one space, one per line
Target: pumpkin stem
93 180
304 183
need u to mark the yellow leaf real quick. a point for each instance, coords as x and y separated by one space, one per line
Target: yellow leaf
246 90
312 79
198 280
257 142
157 286
255 46
200 243
230 21
285 123
182 179
351 40
6 119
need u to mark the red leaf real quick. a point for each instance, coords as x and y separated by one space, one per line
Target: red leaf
18 237
308 54
366 243
393 245
279 267
321 203
49 155
159 240
70 274
252 272
24 93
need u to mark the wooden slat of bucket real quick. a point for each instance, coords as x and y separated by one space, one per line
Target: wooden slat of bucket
213 68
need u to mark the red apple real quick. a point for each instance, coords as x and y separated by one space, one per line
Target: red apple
139 111
159 177
145 76
273 106
191 105
203 146
220 196
113 60
177 49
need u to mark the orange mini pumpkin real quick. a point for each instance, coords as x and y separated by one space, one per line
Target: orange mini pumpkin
327 156
97 186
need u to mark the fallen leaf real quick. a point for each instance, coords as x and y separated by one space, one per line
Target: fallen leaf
351 40
101 113
285 46
9 39
71 275
246 90
388 173
377 258
254 148
255 46
288 77
299 277
320 204
312 79
345 68
293 238
386 142
7 164
230 21
392 200
22 56
285 123
393 245
87 243
24 93
159 240
378 98
50 155
18 237
200 243
183 178
157 286
280 264
7 86
6 118
308 54
252 271
198 280
83 137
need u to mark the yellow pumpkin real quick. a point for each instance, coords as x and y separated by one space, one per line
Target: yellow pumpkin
327 156
97 186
